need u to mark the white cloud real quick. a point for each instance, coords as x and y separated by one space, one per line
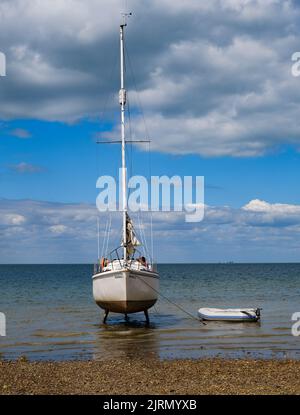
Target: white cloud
214 77
12 219
20 133
58 229
34 231
23 168
257 205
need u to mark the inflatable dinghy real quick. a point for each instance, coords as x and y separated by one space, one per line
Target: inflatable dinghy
229 314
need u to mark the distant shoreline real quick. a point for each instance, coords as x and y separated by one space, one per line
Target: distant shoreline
151 376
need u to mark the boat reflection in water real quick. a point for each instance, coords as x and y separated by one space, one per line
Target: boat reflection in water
127 339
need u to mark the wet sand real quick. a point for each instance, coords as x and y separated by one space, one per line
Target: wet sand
129 376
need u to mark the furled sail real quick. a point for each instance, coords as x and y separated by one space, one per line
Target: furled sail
131 238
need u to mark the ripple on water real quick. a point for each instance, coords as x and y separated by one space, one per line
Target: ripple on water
57 320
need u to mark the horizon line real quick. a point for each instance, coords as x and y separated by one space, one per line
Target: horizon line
164 263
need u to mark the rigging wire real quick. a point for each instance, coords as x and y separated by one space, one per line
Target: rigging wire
103 241
146 251
142 237
98 238
103 252
140 108
108 234
102 116
130 135
108 99
139 103
151 213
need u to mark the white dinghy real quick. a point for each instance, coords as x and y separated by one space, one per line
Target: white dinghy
229 314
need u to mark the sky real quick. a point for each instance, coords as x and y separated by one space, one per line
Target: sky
210 83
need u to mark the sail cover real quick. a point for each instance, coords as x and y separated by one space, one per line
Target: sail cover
131 238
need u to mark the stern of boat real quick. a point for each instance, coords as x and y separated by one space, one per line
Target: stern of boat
125 291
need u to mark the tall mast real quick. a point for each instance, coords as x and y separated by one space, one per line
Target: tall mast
122 100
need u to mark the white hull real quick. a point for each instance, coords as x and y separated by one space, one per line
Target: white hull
229 314
125 290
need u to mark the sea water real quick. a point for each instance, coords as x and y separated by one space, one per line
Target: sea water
51 315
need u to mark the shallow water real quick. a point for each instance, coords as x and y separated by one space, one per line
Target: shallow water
51 314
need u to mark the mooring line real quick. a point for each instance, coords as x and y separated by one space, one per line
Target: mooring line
173 303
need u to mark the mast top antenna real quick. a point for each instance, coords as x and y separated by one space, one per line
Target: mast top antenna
125 17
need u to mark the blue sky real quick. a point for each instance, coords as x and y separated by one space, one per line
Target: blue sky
214 80
69 161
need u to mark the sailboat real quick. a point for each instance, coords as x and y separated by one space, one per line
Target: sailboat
124 282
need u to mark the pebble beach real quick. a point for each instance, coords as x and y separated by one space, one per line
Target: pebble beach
150 376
